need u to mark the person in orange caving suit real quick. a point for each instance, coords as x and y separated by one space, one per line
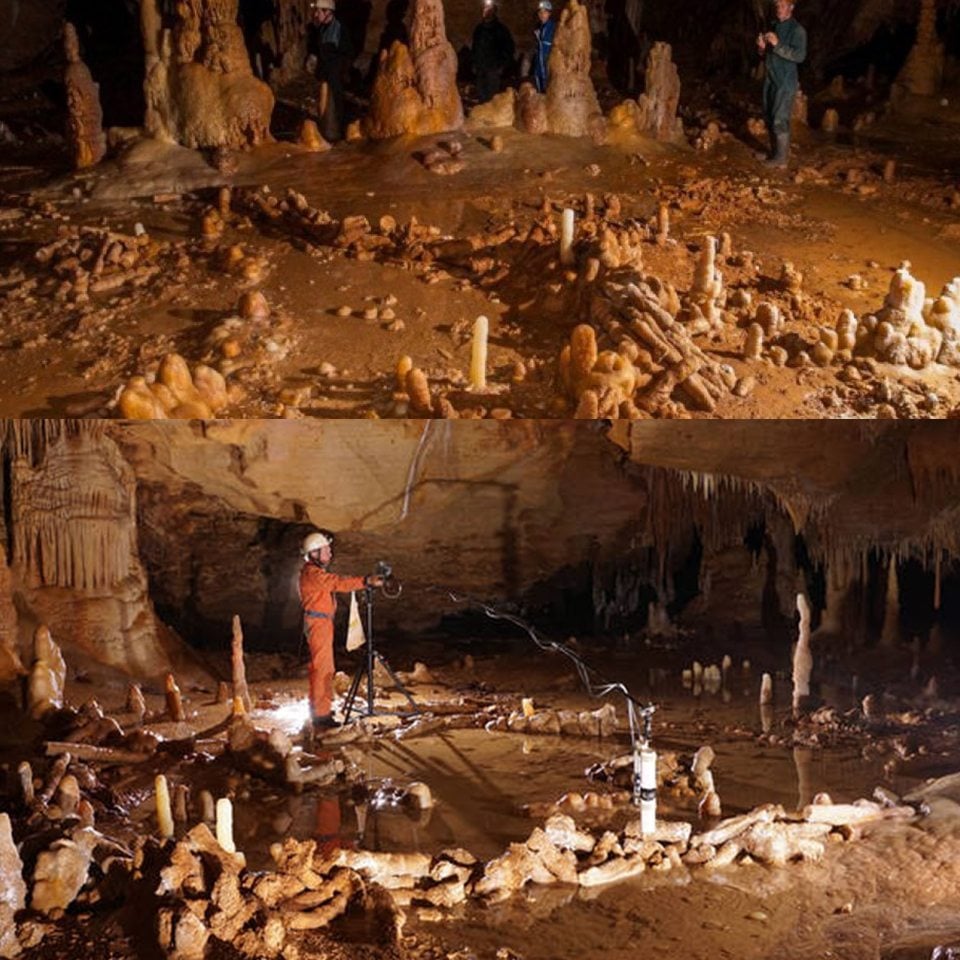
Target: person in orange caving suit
318 587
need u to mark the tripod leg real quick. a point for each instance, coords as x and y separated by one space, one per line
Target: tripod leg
398 683
351 698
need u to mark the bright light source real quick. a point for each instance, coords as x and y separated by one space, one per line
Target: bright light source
291 716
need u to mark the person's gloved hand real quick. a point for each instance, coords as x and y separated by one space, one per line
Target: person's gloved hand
374 581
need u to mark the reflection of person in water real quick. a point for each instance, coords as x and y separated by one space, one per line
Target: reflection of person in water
328 826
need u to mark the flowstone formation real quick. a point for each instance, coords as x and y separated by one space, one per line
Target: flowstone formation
415 92
88 143
199 87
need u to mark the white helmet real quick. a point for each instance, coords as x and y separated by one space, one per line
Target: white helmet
316 541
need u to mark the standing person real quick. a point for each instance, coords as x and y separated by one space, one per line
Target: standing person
782 49
317 588
329 44
544 31
492 52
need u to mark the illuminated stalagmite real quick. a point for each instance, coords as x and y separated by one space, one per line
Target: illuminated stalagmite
200 89
415 91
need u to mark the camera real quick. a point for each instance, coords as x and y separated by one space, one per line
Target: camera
383 569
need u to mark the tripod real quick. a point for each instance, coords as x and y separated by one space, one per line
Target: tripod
365 670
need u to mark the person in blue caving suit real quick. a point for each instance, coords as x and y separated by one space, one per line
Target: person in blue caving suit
783 48
543 33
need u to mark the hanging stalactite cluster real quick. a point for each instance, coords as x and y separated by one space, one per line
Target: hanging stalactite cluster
71 503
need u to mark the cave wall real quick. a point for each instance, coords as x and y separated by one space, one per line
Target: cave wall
490 510
583 526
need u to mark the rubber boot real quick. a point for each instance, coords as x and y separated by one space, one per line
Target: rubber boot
781 153
765 155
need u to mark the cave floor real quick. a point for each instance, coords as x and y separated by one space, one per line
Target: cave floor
888 895
339 323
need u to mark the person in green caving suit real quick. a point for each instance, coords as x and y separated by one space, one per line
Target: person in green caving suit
783 48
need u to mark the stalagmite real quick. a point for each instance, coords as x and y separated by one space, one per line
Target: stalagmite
478 354
208 812
225 824
199 87
753 345
922 74
404 366
239 673
25 773
135 702
572 109
68 795
86 813
707 294
802 655
766 689
415 90
566 238
47 674
657 106
54 777
890 633
88 142
663 223
164 813
830 121
174 702
181 793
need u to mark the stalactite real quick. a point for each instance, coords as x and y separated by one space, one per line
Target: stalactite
891 617
65 532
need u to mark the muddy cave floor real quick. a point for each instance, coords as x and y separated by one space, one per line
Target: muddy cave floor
886 895
338 324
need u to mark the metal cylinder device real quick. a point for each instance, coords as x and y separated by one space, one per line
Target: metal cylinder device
645 787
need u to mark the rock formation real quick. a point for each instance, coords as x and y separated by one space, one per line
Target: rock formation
572 107
923 72
75 562
10 663
48 674
13 889
199 87
415 91
88 143
657 105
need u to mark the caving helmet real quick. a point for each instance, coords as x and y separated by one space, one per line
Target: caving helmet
316 541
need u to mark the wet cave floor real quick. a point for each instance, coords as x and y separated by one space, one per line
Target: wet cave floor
339 323
872 898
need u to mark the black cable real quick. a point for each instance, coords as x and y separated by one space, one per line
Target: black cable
595 684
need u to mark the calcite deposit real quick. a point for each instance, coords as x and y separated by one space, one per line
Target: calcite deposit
200 88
